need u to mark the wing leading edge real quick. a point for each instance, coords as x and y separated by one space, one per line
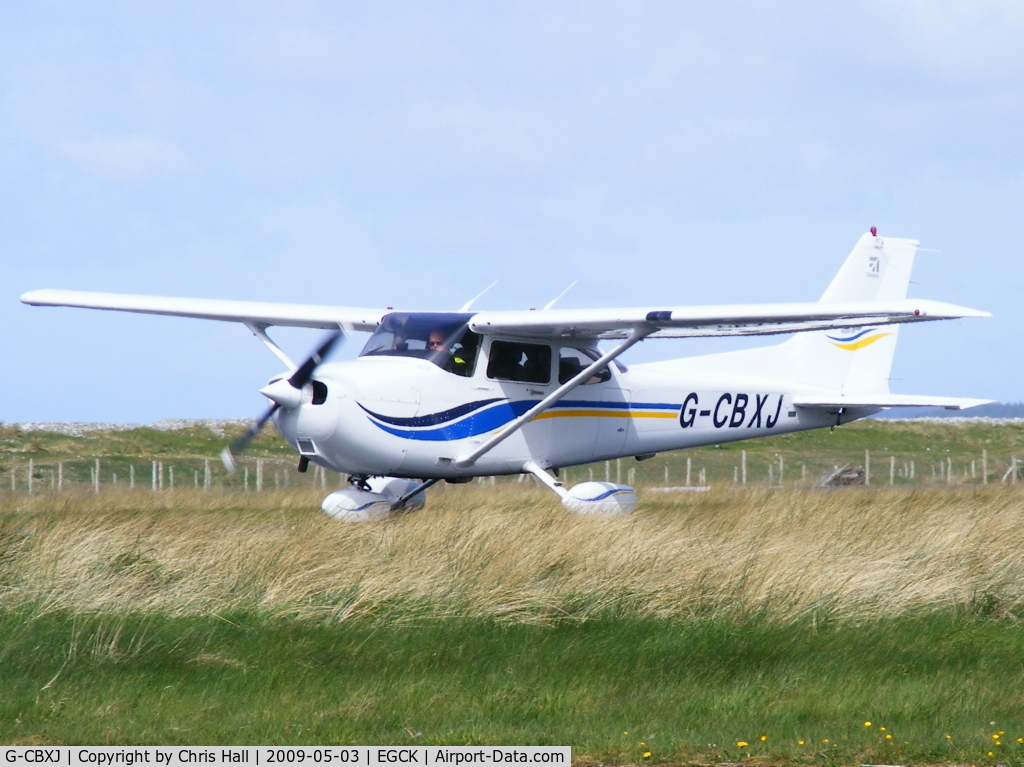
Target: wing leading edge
251 312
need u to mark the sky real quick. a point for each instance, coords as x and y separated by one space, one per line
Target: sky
408 154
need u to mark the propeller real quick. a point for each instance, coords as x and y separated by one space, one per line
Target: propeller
285 392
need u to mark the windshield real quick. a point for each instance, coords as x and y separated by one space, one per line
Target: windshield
441 338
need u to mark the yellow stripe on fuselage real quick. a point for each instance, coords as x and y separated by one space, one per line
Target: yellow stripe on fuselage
852 347
602 414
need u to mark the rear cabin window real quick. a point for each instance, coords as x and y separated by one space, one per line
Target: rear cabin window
514 361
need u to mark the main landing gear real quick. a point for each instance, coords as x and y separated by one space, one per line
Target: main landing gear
370 498
605 499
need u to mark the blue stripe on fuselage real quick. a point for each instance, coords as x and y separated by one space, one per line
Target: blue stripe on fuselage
475 418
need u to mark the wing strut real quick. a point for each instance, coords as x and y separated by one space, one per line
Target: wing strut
260 331
639 334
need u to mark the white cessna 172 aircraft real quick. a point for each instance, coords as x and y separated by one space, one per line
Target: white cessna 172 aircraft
456 395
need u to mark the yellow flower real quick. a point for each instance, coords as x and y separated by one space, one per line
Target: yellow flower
867 724
888 736
882 729
647 754
625 732
825 740
799 742
999 743
742 743
995 736
1020 740
990 753
764 738
949 737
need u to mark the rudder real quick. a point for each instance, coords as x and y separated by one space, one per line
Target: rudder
857 360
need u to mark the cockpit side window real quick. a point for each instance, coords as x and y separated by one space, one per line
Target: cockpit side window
514 361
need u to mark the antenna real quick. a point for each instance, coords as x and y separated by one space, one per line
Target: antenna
470 302
554 300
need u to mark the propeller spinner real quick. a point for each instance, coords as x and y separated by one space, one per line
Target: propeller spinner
284 392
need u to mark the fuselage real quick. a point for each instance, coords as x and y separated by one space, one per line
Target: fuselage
409 417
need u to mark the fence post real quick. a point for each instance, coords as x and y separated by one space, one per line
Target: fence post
607 471
782 467
96 478
867 467
743 465
154 476
892 470
259 475
206 474
618 471
60 476
689 466
131 476
31 471
984 467
949 471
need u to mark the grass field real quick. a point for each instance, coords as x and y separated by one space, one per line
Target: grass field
698 623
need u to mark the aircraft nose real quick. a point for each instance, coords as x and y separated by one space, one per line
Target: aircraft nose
283 393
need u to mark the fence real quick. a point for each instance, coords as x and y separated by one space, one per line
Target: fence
700 469
119 473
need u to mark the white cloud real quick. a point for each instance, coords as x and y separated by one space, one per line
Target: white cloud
128 158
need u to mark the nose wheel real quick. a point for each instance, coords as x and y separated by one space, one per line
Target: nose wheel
358 481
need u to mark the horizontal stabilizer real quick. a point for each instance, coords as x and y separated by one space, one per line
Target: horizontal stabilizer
833 402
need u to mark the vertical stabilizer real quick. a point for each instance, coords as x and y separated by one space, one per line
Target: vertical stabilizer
857 360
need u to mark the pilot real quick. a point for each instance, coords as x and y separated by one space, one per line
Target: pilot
455 363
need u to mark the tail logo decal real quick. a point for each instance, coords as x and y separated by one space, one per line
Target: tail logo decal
858 340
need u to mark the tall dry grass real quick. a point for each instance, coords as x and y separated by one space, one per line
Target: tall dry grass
515 554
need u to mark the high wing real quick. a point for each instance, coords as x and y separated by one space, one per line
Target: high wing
250 312
724 320
674 322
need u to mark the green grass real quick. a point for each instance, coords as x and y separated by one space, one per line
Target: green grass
612 688
494 617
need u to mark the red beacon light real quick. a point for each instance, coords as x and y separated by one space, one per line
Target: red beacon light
874 231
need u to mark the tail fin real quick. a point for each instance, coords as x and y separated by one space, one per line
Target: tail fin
858 360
